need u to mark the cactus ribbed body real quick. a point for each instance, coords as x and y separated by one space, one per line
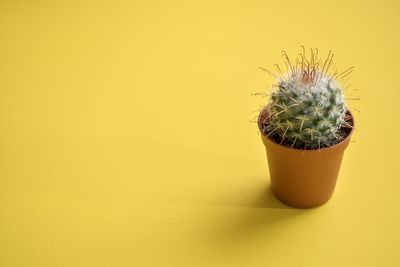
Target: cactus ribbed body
307 111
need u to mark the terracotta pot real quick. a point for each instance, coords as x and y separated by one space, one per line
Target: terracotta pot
303 178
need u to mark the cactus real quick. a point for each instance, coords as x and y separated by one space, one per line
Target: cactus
308 109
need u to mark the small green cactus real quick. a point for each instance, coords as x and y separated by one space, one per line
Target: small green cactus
308 109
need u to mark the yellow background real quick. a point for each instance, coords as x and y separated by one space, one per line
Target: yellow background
125 137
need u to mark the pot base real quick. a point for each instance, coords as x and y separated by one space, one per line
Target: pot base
298 204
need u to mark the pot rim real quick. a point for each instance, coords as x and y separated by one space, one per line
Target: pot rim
265 109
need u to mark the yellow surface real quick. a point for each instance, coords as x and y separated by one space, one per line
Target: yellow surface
125 137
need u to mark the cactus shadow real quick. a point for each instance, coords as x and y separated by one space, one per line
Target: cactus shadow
265 198
255 197
262 215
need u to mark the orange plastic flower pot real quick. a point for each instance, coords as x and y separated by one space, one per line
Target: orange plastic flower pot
303 178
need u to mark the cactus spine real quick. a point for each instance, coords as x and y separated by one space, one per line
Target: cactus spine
308 108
